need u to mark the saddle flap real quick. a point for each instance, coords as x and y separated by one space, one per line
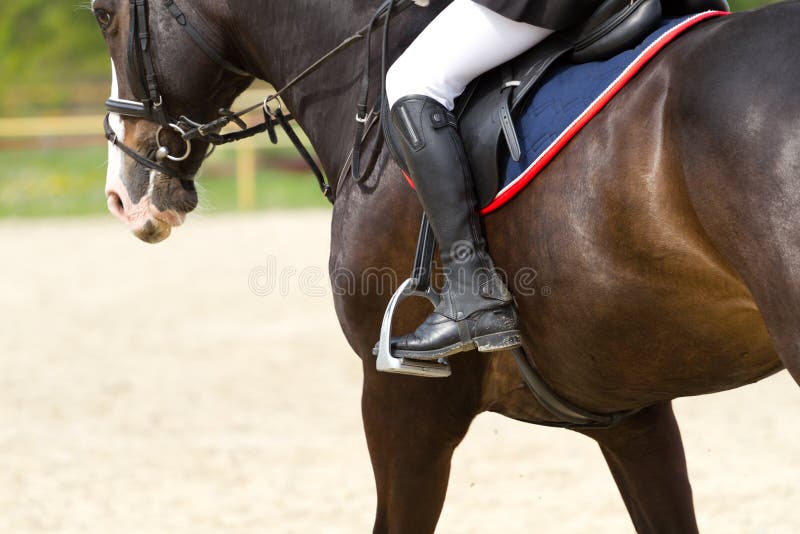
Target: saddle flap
484 107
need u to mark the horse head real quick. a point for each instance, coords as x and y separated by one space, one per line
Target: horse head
162 81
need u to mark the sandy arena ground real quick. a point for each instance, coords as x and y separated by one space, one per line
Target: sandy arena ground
150 390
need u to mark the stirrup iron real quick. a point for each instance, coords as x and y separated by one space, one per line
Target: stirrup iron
419 285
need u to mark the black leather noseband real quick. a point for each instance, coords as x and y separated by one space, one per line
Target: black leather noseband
112 138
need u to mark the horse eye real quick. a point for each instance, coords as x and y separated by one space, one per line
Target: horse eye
103 17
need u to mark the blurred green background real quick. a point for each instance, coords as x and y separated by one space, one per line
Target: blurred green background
53 64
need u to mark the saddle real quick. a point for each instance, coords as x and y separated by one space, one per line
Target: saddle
487 116
487 110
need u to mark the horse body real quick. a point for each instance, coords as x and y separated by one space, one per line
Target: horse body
645 303
615 239
664 240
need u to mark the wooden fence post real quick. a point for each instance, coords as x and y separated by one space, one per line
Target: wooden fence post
246 174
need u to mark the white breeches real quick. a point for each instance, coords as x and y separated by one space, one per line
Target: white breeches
460 44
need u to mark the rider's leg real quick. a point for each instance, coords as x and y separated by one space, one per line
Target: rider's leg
460 44
464 41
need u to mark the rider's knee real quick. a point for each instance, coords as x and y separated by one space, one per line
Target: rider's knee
397 81
404 78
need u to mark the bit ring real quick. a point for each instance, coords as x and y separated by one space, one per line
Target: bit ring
166 149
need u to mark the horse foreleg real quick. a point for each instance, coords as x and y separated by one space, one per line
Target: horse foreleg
413 425
646 458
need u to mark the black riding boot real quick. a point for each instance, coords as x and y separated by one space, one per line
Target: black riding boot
476 309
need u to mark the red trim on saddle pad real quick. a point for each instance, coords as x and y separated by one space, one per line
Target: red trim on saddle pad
409 180
519 183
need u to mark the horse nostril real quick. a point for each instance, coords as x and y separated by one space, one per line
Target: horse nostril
115 205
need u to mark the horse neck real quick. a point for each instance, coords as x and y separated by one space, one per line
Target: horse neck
280 39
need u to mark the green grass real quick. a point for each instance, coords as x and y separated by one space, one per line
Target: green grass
740 5
275 189
35 183
64 182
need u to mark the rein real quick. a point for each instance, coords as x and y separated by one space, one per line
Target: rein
390 8
151 106
364 120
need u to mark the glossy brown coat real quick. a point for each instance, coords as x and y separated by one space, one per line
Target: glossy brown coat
665 240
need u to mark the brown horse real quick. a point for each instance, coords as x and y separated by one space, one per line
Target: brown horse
667 234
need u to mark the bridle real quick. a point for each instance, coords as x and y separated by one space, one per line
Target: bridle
144 84
152 107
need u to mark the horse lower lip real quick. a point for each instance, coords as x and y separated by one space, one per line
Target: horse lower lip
153 231
170 217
